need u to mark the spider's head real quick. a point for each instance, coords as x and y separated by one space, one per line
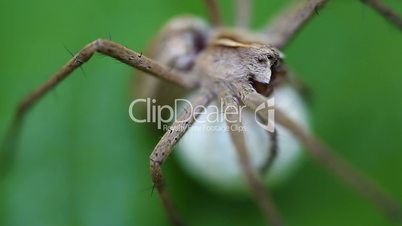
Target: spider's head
251 60
260 60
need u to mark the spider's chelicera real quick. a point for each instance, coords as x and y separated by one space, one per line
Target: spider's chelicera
239 71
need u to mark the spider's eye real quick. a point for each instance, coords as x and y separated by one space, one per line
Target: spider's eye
270 57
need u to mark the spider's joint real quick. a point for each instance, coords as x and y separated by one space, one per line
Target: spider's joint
78 60
155 162
98 42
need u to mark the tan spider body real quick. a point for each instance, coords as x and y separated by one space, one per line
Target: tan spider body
221 56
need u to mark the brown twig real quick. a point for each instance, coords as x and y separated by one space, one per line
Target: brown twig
385 11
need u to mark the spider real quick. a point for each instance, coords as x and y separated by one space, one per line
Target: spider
260 70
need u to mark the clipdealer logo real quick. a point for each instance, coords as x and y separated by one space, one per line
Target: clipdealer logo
165 114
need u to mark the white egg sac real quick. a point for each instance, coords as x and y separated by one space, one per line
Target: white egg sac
207 153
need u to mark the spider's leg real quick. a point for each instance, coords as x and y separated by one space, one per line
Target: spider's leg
385 11
343 169
233 119
285 26
213 12
165 147
282 75
105 47
111 49
327 158
273 152
243 10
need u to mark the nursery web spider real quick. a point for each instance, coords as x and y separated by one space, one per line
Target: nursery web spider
236 66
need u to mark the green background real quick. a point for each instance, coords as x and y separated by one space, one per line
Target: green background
83 162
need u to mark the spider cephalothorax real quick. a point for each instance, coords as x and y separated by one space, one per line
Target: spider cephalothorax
229 59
